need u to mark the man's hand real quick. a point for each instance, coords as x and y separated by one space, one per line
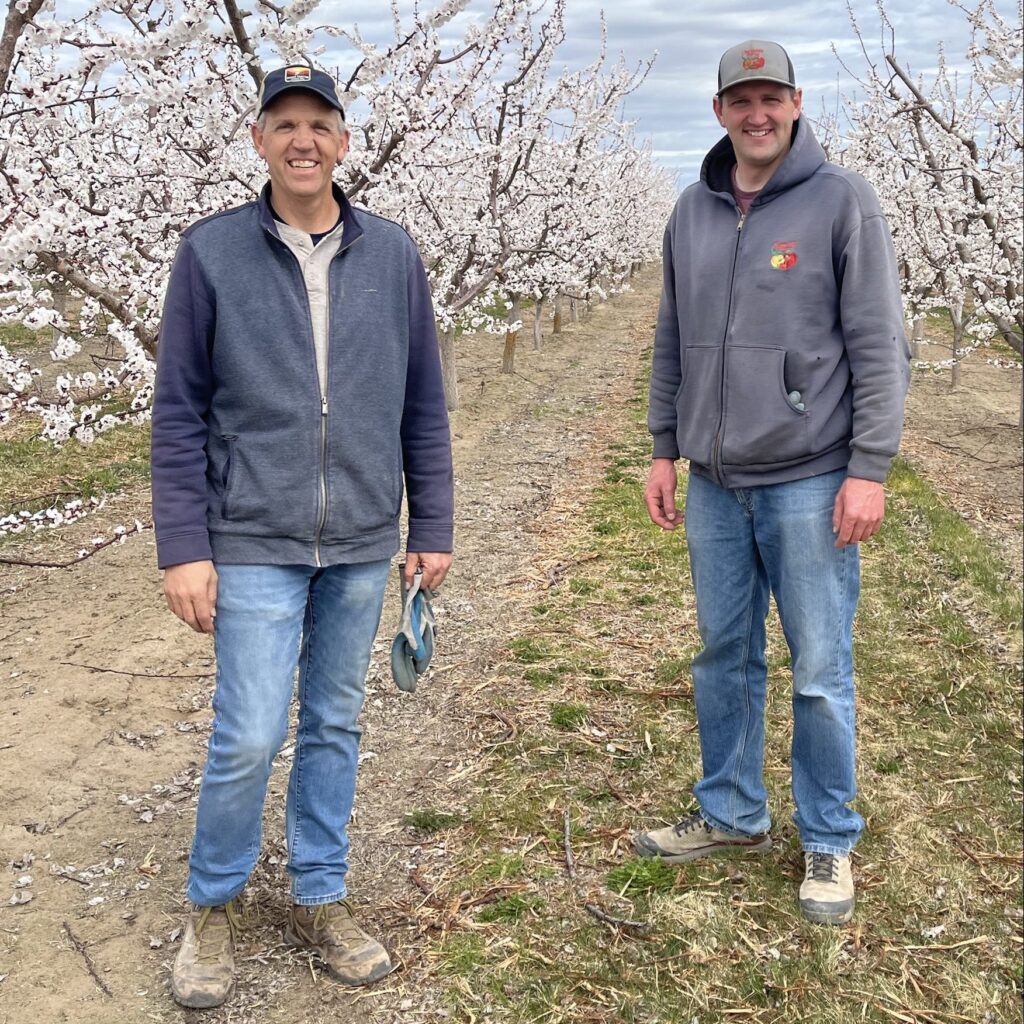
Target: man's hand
435 566
858 512
660 494
191 592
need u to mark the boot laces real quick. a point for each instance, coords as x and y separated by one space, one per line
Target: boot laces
213 941
689 824
338 920
822 867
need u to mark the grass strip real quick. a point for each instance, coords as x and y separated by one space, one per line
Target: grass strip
598 689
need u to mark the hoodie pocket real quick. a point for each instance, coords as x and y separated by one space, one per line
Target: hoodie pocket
697 402
762 426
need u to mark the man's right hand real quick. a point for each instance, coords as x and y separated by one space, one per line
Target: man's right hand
191 592
660 494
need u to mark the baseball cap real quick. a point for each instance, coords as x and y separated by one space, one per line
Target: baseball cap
756 60
298 76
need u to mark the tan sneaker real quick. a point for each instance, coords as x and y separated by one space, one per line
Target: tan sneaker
693 838
351 956
826 894
204 969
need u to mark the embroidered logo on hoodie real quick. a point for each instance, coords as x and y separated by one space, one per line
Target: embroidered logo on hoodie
783 255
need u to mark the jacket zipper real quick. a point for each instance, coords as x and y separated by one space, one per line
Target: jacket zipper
323 476
321 385
716 450
323 409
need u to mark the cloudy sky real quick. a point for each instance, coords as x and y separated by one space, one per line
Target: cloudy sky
673 106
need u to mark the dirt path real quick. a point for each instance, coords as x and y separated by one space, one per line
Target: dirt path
104 700
968 443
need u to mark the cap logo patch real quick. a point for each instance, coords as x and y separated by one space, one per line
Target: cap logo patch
753 60
783 255
296 74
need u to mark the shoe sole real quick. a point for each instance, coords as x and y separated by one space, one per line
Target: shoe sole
201 1002
381 971
707 851
824 913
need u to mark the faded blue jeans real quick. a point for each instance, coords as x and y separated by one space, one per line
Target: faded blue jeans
270 618
745 544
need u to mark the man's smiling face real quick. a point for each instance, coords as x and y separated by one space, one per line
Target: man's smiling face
759 118
301 140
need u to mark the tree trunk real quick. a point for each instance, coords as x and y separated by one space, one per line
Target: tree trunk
956 315
538 313
916 338
59 289
574 309
508 357
557 326
451 384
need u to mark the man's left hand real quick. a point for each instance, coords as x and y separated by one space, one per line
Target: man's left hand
435 566
858 512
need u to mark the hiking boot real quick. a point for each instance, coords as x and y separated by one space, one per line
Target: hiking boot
204 969
693 838
351 956
826 894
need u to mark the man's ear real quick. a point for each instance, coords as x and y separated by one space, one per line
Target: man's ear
798 100
343 148
716 105
257 140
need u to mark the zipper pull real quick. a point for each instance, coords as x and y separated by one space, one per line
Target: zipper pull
739 226
323 405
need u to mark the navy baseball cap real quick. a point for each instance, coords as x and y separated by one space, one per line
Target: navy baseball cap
298 76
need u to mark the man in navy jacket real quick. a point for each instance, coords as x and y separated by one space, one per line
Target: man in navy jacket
298 386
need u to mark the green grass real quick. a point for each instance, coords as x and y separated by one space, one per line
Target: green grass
35 475
428 820
964 555
567 716
17 338
937 649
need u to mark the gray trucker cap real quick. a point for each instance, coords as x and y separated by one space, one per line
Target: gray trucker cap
756 60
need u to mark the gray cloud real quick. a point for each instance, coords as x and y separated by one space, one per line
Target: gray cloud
673 106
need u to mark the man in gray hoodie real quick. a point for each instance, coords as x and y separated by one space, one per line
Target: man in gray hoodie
298 386
780 372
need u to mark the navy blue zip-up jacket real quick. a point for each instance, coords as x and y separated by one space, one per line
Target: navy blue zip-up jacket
249 465
800 295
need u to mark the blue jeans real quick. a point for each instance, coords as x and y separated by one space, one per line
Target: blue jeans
744 544
270 618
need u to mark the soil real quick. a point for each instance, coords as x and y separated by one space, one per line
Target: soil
105 699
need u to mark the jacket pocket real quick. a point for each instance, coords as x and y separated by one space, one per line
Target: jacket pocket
269 483
761 426
697 402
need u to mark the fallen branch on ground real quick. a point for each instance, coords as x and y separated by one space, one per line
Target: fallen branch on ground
84 952
643 927
82 555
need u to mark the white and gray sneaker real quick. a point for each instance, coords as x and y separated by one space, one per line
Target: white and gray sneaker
693 838
826 894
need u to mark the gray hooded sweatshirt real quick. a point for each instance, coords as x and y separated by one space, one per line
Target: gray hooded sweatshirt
780 350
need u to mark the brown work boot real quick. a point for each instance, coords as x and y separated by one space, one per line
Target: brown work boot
352 957
204 969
